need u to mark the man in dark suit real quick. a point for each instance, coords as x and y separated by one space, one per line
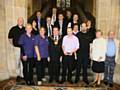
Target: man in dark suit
39 20
48 27
55 52
61 24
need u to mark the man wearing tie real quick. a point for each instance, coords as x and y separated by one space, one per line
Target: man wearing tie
39 20
48 26
61 24
55 52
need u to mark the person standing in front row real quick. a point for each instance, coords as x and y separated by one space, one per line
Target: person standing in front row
27 44
70 45
82 54
98 53
41 50
55 52
111 58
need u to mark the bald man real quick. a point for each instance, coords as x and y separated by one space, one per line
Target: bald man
13 36
111 58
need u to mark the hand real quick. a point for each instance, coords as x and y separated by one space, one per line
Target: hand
48 59
65 53
39 58
100 58
24 58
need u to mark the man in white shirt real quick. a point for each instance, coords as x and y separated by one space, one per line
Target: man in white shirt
70 45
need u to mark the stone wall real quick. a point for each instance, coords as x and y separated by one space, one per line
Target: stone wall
108 18
10 10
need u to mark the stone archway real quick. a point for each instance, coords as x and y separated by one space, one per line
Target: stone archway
107 18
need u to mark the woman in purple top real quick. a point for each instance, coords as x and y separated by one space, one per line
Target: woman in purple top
41 49
26 42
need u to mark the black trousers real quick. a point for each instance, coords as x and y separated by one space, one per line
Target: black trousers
54 68
28 70
40 68
82 63
67 65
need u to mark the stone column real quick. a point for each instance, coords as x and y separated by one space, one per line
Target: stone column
10 11
108 18
3 47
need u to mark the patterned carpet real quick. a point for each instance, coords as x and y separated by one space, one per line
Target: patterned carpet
11 84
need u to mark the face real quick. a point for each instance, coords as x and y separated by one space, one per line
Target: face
20 21
33 23
89 23
49 20
68 14
61 17
54 10
69 31
38 14
55 31
28 28
98 34
83 27
75 17
75 28
111 35
42 31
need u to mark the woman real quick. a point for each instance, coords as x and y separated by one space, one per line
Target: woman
27 46
98 56
41 49
35 30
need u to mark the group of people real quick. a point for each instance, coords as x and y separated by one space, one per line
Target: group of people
63 43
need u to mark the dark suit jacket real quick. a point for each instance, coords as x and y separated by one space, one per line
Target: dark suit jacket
42 22
46 28
55 51
64 27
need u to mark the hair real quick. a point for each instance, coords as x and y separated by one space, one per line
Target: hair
99 31
110 32
55 27
42 28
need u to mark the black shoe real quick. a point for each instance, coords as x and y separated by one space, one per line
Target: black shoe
18 79
57 81
86 82
105 82
32 83
51 80
70 81
110 85
62 81
76 80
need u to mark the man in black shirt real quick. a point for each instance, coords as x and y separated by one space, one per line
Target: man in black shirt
13 36
83 53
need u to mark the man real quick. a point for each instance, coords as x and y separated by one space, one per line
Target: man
48 27
83 53
111 58
26 42
70 45
39 20
54 15
68 17
13 36
61 24
55 52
